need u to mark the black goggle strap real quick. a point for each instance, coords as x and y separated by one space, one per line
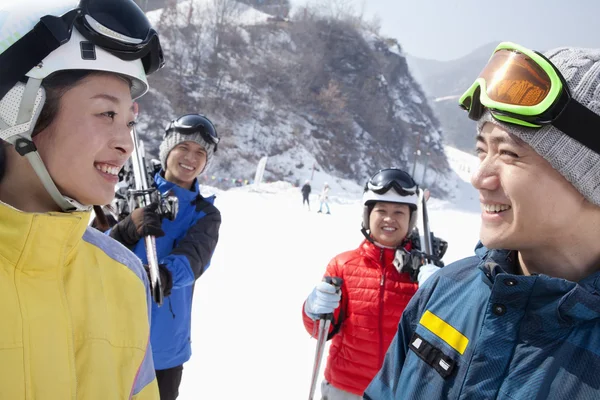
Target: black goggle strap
580 123
45 37
209 138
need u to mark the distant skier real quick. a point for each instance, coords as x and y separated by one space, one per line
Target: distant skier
305 193
375 288
324 198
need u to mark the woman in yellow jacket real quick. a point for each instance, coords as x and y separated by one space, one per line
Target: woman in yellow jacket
74 304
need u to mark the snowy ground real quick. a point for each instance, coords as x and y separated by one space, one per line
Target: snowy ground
248 338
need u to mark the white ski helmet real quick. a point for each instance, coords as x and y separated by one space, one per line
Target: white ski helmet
38 39
391 185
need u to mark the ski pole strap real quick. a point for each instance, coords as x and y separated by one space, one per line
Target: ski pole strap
337 325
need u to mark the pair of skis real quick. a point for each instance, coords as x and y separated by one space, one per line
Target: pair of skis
140 194
424 220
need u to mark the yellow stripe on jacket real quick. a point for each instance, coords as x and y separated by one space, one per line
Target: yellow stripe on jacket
444 331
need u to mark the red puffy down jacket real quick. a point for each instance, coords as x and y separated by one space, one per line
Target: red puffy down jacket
374 294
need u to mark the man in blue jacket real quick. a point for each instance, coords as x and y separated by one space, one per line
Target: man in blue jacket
184 246
521 319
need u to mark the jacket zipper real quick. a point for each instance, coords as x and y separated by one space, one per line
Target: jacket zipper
381 293
61 283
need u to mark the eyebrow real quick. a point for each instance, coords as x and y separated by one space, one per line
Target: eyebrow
110 98
509 139
185 144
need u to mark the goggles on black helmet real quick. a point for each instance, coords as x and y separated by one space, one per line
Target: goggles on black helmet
118 26
386 179
191 124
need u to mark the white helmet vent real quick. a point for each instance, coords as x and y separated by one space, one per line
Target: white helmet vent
9 112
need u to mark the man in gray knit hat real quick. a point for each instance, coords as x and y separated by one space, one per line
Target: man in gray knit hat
521 318
187 149
184 246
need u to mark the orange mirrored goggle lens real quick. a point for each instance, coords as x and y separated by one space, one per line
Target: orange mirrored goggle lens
514 78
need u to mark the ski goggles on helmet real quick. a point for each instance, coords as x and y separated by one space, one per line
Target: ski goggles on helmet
118 26
392 178
522 87
191 124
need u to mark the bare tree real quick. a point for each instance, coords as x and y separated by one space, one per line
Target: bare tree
337 9
224 13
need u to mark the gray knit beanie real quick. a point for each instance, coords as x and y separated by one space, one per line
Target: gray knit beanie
174 138
578 164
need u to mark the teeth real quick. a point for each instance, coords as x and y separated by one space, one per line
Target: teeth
388 228
107 169
495 208
187 167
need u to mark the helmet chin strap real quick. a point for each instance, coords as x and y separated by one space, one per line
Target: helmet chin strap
365 233
65 203
23 143
26 148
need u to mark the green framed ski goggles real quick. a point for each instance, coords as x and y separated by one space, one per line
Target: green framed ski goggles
522 87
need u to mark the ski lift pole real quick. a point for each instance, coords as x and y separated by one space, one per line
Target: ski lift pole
323 332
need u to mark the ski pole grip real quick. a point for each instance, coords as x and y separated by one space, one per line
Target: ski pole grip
337 283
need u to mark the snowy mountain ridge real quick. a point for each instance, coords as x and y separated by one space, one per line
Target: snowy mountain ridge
318 95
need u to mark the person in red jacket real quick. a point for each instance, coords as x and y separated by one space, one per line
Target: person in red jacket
375 288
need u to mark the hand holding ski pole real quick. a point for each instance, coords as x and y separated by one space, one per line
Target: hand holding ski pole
327 301
324 298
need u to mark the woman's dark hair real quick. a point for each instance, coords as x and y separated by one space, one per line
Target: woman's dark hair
56 86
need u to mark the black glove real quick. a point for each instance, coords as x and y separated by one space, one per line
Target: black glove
147 221
413 261
166 280
141 222
439 248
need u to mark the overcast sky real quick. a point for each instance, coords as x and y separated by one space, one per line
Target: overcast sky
448 29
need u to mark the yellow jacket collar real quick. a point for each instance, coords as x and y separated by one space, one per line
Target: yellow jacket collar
35 241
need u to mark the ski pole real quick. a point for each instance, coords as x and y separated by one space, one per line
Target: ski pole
324 324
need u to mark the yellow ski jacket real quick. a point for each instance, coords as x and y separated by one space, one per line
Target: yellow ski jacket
74 312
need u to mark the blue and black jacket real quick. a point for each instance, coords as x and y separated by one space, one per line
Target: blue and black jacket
477 330
185 250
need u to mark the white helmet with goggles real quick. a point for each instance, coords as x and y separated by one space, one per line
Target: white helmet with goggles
391 185
38 39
